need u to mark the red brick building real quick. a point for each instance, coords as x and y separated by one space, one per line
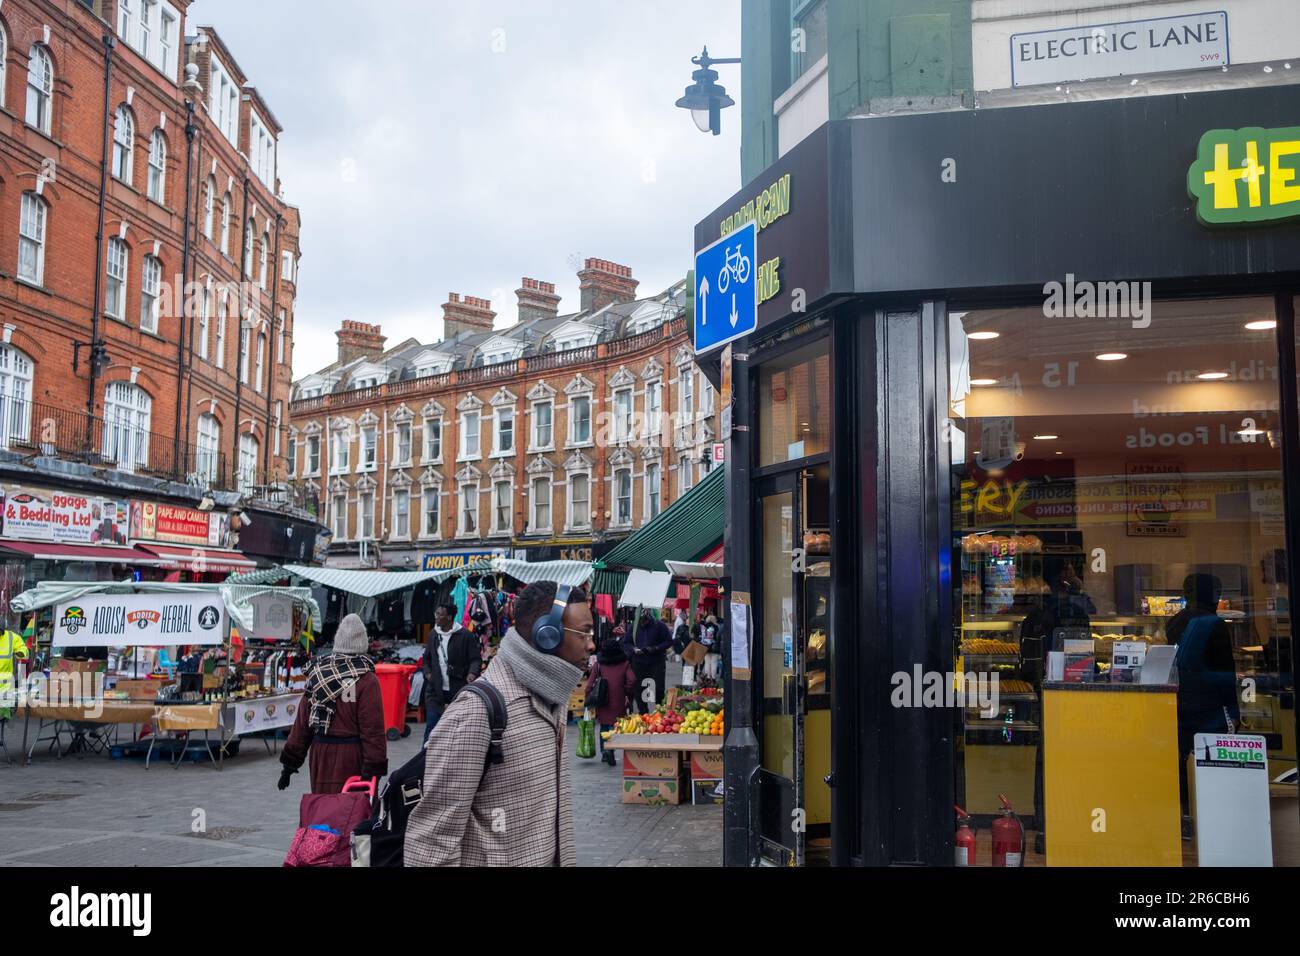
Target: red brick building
129 356
554 437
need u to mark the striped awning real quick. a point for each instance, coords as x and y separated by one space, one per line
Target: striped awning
572 573
688 530
365 583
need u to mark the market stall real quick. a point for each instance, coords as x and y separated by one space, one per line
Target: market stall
678 745
230 681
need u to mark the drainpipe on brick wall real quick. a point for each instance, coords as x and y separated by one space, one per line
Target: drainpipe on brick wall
270 350
186 279
239 361
181 410
95 345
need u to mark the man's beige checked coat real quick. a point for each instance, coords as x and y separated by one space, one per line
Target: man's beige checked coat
523 806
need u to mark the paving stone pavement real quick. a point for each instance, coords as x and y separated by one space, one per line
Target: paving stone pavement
95 811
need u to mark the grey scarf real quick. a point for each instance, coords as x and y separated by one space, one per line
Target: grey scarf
551 678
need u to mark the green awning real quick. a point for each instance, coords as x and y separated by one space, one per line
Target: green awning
608 582
686 530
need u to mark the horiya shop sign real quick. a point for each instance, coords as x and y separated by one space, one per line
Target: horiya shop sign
157 522
39 515
145 620
1246 176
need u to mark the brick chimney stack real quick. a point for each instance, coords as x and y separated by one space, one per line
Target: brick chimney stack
469 314
603 283
358 339
537 300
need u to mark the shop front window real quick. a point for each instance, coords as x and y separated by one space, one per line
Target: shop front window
795 399
1121 609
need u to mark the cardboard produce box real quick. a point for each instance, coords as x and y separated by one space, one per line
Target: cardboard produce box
652 791
706 764
651 763
706 792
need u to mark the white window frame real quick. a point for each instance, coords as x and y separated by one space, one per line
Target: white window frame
128 414
535 500
248 249
623 418
466 432
123 166
467 503
249 450
368 460
260 367
340 513
205 307
366 516
4 61
157 181
705 391
245 347
32 221
279 339
169 25
209 206
312 469
16 373
500 416
40 89
426 457
340 452
550 425
574 400
263 254
653 492
619 497
401 515
431 493
117 265
654 409
150 290
570 510
498 526
225 224
223 312
685 474
292 458
402 459
207 447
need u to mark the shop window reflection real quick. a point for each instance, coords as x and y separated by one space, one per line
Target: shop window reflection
1117 501
795 405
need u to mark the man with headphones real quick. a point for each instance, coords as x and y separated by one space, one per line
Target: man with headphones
506 801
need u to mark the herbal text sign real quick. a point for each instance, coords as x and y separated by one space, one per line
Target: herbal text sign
1087 52
147 620
1246 175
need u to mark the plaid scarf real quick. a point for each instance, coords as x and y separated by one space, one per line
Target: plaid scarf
330 676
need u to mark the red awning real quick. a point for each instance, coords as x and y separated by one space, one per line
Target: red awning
102 554
713 557
199 560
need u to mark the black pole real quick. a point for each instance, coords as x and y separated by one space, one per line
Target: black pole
186 280
270 360
182 411
95 345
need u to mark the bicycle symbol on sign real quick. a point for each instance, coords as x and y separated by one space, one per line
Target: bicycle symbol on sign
736 267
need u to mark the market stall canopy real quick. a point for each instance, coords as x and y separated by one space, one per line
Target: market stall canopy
687 530
645 589
572 573
695 571
95 553
365 583
238 598
200 560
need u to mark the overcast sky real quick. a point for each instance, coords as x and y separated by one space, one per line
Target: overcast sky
437 146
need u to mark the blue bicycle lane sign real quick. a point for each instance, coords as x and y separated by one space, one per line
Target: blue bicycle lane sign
726 289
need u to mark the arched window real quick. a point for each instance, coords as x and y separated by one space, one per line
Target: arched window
40 88
248 448
264 254
127 412
225 224
150 287
205 305
248 249
207 450
209 202
15 396
115 287
123 144
31 239
157 166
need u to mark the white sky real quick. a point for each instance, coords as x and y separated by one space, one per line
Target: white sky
437 146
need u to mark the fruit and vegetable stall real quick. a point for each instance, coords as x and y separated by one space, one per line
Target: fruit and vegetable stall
676 746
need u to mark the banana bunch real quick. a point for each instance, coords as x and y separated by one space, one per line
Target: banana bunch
628 725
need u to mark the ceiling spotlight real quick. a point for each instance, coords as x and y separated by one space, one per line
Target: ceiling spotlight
984 381
1046 437
1262 325
1212 376
1112 356
1060 453
982 336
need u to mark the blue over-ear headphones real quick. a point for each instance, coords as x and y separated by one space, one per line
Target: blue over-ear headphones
548 632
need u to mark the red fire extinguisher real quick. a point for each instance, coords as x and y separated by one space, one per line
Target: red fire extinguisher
1008 837
964 841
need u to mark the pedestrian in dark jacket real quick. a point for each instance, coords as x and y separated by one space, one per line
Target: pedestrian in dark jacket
612 664
648 651
340 722
452 659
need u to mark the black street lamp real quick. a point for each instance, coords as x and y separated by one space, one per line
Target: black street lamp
705 98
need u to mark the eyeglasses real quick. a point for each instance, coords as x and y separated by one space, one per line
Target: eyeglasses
588 633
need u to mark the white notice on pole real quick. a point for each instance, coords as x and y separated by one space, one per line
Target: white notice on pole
1232 810
739 636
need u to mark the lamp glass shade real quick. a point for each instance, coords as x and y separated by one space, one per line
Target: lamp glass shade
701 118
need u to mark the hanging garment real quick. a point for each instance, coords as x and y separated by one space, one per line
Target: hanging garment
460 597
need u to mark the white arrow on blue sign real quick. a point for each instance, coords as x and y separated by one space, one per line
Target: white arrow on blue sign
726 289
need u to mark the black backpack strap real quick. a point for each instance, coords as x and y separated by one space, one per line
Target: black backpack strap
497 717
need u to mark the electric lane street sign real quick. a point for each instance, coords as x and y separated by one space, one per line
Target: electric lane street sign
726 289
